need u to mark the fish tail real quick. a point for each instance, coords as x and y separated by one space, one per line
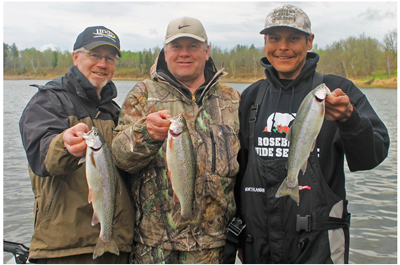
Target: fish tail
101 247
285 190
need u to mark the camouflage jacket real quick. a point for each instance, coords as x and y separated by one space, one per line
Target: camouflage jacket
213 124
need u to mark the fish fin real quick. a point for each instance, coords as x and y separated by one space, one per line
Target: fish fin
93 161
82 160
176 199
171 141
95 219
285 190
313 145
289 135
90 196
101 247
304 167
169 175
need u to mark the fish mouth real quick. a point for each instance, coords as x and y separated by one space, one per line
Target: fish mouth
319 99
173 134
95 149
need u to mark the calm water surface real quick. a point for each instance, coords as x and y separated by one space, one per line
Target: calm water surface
372 194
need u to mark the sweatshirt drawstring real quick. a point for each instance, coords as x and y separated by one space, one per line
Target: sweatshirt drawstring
276 107
290 106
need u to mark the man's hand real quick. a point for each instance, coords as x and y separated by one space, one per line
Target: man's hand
158 124
338 106
75 144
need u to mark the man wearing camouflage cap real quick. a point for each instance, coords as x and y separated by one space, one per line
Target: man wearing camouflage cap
184 80
315 230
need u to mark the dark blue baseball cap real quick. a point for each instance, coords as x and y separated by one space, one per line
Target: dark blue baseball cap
93 37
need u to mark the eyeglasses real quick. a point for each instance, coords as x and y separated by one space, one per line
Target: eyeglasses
97 57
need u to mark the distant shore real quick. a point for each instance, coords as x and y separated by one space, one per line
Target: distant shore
376 83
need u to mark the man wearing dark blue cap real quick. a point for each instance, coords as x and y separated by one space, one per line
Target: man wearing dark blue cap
50 124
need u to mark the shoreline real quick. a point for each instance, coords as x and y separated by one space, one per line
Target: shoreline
375 83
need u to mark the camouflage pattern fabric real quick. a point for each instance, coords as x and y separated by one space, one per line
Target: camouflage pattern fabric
153 255
213 125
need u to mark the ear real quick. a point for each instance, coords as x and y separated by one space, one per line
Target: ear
265 42
75 56
310 42
208 52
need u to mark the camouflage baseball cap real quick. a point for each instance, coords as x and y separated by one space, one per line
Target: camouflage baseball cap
287 16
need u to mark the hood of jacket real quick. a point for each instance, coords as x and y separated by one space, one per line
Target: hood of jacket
308 69
160 71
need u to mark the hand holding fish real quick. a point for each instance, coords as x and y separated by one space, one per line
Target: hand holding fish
73 141
158 124
338 106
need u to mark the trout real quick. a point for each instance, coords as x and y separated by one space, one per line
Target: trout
302 136
181 164
102 180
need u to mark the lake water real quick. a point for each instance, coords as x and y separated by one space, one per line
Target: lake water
372 194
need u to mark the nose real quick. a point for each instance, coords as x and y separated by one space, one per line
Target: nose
283 44
184 52
102 63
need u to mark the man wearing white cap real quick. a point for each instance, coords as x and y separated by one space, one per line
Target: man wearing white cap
315 228
184 81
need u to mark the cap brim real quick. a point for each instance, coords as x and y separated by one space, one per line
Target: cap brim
264 31
95 44
180 35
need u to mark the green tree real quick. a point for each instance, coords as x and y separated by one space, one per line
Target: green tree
14 55
54 59
5 53
390 46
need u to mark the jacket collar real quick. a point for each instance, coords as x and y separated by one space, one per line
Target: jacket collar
76 81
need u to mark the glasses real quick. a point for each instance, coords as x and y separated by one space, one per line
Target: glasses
97 57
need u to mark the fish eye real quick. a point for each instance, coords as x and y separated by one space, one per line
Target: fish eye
95 133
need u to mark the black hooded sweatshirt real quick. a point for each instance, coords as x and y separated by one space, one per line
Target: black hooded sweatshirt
363 138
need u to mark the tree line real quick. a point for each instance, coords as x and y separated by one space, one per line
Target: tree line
354 57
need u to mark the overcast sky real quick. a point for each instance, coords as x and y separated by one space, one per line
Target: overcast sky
142 25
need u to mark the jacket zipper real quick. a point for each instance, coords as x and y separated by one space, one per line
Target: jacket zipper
213 151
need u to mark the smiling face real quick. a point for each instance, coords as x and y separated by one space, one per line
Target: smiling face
286 49
98 73
186 59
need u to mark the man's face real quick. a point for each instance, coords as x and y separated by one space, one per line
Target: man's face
99 73
186 59
286 49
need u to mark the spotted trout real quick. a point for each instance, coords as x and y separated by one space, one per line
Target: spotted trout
302 136
181 164
102 181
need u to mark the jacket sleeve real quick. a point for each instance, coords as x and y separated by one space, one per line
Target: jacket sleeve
364 136
41 126
132 146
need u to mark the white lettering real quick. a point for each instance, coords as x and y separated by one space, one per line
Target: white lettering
265 141
278 152
272 142
271 152
258 150
278 141
285 152
252 189
264 151
284 142
260 141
